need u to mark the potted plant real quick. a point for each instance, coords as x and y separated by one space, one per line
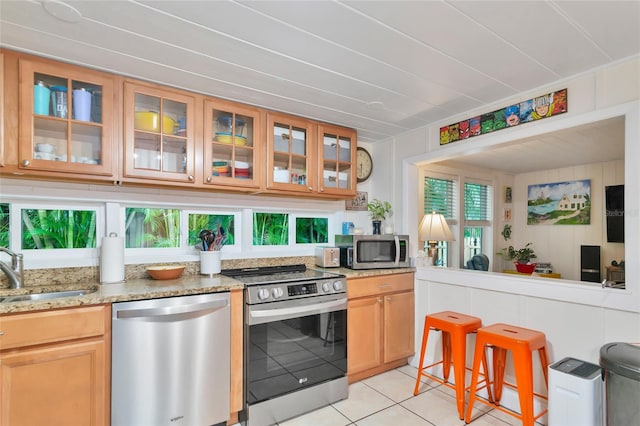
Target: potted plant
378 210
521 257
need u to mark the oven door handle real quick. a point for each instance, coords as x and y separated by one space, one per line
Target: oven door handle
257 317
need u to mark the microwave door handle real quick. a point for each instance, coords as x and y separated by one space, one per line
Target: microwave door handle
397 261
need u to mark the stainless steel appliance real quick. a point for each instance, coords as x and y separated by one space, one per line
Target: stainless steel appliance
328 257
295 341
373 251
171 361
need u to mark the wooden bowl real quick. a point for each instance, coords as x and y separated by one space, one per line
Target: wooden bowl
167 272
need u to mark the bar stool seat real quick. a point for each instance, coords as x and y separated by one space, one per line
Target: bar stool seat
522 342
454 327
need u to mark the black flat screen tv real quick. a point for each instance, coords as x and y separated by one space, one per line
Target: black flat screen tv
614 199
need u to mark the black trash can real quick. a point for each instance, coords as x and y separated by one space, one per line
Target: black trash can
621 372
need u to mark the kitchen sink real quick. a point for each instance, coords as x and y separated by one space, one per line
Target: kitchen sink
45 296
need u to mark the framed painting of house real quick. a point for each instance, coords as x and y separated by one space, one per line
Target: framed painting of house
559 203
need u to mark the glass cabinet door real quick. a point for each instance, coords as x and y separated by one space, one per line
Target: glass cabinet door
232 137
66 119
291 153
336 152
159 142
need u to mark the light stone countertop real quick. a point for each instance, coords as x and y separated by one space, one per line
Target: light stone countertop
137 289
146 288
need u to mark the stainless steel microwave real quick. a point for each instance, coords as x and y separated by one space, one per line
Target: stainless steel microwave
373 251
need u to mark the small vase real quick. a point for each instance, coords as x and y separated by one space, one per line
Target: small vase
377 224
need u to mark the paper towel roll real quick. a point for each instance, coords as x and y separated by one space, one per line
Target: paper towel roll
112 259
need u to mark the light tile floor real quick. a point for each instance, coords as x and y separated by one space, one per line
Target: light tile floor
387 400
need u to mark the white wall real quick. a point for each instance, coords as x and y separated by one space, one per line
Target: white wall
578 318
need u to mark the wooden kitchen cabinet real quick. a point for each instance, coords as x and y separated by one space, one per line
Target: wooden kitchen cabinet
233 145
160 133
291 154
336 160
66 121
55 367
380 324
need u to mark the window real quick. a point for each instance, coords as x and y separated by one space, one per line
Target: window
58 229
4 225
202 221
312 230
477 218
152 228
270 229
466 204
439 197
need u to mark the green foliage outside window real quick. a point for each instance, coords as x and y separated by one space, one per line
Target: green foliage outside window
4 225
270 229
152 228
312 230
58 229
198 222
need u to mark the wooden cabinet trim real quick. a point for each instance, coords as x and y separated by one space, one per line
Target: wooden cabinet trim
382 284
34 328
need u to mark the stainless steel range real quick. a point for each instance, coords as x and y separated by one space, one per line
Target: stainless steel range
295 341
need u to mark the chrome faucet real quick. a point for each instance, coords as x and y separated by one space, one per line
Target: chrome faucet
15 271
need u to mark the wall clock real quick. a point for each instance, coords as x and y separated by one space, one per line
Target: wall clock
364 164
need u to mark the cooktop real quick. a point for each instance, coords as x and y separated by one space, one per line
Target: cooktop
277 274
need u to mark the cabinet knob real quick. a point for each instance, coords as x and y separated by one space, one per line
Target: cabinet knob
379 299
190 177
208 179
26 163
311 188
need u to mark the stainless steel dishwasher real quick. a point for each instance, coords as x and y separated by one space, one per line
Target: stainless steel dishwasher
171 361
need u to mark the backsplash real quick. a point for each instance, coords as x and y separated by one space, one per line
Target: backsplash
91 274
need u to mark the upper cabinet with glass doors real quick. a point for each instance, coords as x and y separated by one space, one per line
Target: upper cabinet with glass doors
233 141
159 134
291 156
66 120
336 160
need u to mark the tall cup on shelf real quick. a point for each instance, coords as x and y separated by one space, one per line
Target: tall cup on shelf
41 97
59 101
209 262
81 105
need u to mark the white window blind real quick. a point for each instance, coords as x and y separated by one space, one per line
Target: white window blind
477 202
440 197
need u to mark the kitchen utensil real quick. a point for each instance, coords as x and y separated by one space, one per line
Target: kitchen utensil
204 236
149 121
59 101
81 105
167 272
41 98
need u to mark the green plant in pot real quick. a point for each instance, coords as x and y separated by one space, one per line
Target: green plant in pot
378 210
521 257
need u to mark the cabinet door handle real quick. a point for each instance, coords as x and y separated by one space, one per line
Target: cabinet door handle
26 163
208 178
1 333
379 299
190 178
388 299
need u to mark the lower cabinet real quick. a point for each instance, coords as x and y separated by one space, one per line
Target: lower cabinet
380 324
54 367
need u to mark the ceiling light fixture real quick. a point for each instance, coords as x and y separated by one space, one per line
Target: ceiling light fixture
62 11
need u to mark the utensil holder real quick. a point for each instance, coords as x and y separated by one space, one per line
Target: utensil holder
209 262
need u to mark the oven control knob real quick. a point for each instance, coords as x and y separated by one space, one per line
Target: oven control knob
277 292
337 286
263 293
326 287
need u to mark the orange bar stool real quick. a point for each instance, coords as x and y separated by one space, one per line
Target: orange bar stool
522 342
454 327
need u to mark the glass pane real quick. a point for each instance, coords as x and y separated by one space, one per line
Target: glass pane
86 101
200 222
86 144
174 116
58 229
147 113
152 228
174 155
49 139
472 243
312 230
4 225
147 151
270 229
